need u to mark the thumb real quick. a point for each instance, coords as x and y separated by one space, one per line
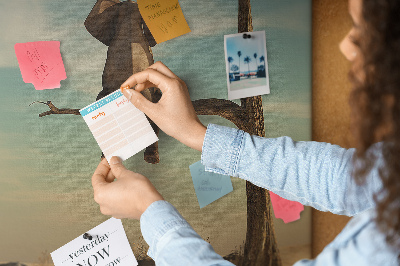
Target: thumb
117 168
138 100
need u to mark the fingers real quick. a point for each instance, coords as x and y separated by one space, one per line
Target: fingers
140 102
110 177
160 67
100 174
117 167
149 75
143 86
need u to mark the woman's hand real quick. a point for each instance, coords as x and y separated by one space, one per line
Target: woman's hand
128 196
174 113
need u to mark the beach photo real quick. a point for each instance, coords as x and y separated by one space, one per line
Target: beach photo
246 64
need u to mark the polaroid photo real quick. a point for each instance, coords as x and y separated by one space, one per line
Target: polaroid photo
246 64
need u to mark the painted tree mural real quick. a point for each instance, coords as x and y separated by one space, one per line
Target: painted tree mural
260 245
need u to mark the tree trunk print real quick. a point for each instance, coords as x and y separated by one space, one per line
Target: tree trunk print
260 245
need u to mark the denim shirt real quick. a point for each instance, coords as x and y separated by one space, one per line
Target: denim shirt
312 173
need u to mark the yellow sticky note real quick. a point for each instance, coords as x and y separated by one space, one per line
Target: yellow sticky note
164 18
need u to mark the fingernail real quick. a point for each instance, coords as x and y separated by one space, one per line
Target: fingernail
115 160
129 92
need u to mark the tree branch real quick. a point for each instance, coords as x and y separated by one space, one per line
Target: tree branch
55 110
151 153
223 108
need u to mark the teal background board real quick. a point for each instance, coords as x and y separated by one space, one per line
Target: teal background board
46 198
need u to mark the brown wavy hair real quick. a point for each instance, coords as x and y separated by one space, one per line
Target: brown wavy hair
375 102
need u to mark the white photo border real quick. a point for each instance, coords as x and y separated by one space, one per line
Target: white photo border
247 92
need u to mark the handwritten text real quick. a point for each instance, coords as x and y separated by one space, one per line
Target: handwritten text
164 11
100 114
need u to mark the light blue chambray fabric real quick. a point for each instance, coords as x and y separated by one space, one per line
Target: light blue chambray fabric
172 240
312 173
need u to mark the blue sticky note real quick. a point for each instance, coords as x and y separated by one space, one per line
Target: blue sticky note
209 186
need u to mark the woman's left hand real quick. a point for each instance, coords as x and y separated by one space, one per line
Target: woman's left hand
128 196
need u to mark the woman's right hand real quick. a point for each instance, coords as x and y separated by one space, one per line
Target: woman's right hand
173 113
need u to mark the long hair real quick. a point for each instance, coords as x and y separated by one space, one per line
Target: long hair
375 103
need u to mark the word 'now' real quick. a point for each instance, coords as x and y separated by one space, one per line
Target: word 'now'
98 257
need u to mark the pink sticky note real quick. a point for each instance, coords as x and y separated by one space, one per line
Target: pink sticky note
286 210
41 64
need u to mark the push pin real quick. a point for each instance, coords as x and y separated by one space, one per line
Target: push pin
88 236
246 36
125 88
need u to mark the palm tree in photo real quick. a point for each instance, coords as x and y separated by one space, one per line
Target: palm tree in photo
247 60
262 59
239 55
230 60
261 69
234 68
255 58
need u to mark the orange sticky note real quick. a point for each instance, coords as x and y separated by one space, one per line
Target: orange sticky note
286 210
41 64
164 18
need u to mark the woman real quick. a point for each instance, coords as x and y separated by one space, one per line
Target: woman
317 174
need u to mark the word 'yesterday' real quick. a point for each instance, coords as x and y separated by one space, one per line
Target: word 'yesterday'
89 246
94 259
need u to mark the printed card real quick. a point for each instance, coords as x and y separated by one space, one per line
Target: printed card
109 246
41 63
209 186
118 126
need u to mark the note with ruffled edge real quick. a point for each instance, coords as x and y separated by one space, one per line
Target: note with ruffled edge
284 209
209 186
41 64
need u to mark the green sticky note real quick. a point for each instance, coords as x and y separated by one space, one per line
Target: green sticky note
209 186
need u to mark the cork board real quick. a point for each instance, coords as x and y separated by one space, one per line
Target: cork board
330 97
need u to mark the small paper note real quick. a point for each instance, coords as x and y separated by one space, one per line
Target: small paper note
41 64
209 186
118 126
109 246
164 18
286 210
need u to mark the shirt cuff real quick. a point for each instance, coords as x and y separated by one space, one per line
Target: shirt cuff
158 219
221 149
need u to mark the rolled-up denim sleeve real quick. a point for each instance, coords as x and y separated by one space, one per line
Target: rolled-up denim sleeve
172 240
313 173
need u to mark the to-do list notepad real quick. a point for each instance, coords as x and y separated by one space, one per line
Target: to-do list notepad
118 126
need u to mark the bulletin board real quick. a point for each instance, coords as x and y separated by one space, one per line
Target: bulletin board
46 198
